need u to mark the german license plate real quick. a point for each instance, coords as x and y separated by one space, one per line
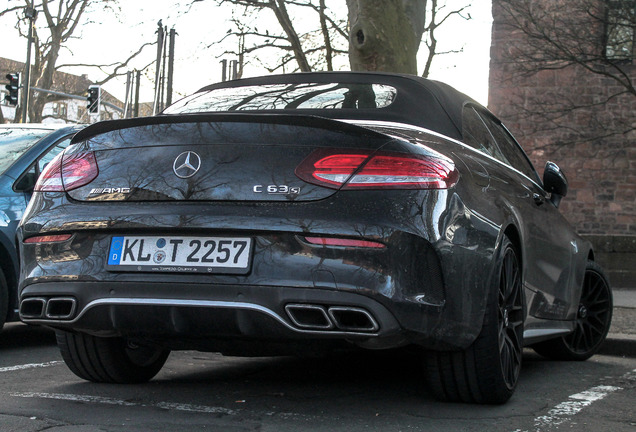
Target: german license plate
180 254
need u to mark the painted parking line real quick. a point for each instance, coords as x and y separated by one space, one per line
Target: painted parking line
119 402
169 406
563 412
29 366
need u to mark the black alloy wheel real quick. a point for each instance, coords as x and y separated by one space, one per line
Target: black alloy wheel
593 320
510 318
487 372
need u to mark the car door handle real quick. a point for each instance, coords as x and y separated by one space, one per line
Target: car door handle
538 199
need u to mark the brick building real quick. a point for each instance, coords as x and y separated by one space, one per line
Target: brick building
577 115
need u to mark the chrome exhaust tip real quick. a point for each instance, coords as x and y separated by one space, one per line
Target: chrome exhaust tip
353 319
60 308
32 307
309 316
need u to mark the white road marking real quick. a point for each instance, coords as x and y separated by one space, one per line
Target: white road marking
119 402
170 406
29 366
564 411
574 405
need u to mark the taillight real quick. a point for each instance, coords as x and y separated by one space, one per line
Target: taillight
68 172
381 170
344 242
48 238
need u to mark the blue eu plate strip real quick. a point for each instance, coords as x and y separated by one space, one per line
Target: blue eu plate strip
116 246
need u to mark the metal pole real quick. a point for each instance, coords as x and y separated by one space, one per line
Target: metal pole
162 96
72 96
127 99
137 83
170 66
224 70
160 41
234 69
31 14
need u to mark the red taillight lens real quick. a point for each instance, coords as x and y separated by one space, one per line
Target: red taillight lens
65 173
51 177
381 170
48 238
343 242
404 172
336 169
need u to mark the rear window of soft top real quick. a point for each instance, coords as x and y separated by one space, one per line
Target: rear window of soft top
287 97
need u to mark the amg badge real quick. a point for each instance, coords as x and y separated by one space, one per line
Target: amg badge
100 191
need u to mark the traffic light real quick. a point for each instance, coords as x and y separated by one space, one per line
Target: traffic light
13 87
94 95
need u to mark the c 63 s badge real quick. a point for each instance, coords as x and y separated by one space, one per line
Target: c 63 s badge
276 189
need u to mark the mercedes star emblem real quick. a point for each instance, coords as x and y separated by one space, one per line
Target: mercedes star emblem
186 164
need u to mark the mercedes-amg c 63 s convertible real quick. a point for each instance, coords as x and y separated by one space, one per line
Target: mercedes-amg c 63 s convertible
298 213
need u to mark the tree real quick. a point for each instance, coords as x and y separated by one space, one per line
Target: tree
578 41
384 36
61 20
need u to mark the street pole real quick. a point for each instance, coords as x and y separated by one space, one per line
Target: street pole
158 64
127 103
170 66
31 14
137 84
224 70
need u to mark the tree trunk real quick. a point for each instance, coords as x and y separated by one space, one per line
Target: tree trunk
385 36
280 10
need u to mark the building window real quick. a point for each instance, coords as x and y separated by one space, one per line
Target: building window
60 109
620 26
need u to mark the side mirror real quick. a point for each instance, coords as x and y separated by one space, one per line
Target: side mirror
555 182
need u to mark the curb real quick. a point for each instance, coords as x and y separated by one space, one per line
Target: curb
619 345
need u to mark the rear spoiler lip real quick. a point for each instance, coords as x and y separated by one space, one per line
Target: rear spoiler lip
260 117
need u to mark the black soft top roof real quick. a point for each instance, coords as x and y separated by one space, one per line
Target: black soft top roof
419 101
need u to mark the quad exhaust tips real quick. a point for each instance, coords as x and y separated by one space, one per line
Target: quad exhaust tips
303 316
343 318
54 308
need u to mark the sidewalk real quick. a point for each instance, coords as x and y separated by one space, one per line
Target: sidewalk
621 340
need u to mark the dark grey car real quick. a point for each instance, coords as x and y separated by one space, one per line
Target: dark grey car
297 213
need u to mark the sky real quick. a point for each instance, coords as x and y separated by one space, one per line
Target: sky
114 35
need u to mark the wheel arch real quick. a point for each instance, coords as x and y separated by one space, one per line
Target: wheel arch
512 232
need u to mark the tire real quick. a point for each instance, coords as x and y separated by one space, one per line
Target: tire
4 300
109 360
592 323
487 372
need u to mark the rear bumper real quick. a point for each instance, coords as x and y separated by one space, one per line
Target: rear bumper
421 288
192 317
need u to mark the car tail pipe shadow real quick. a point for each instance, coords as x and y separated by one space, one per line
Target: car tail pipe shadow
337 318
53 308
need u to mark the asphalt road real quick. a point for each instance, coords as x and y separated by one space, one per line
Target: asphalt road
374 392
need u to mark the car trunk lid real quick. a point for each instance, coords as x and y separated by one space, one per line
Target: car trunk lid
234 157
